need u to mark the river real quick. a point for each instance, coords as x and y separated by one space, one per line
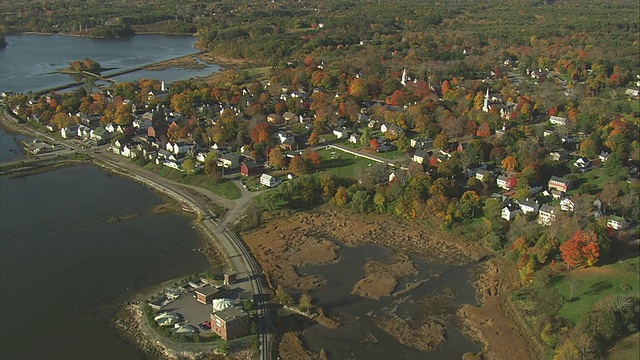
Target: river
30 62
64 268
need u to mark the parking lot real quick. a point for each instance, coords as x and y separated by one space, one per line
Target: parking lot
194 312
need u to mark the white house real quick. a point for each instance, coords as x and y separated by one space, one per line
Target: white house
419 156
128 150
229 161
528 206
353 139
616 222
558 120
269 181
546 215
483 174
69 132
509 212
111 127
604 156
503 182
341 133
566 204
583 164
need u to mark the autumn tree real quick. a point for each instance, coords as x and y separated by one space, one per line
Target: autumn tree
189 165
441 141
510 163
298 166
589 148
211 165
341 196
313 139
581 250
261 135
182 102
312 158
276 158
374 144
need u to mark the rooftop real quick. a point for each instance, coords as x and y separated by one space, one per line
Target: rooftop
231 313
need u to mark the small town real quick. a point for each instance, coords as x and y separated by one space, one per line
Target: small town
480 191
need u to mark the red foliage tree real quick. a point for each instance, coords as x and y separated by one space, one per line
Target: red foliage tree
484 130
374 144
313 139
297 166
313 158
581 250
261 134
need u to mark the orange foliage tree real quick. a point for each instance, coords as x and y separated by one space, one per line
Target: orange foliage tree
581 250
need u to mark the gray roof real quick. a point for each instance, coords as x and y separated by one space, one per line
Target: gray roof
230 314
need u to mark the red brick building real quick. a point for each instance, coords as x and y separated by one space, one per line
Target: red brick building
231 323
207 293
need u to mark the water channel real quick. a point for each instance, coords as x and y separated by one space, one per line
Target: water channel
359 337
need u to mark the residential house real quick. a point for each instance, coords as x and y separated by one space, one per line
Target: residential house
290 117
353 139
111 127
421 143
603 156
420 156
583 164
509 211
560 184
231 323
566 204
69 132
229 161
269 181
84 132
142 124
559 155
201 156
632 93
341 133
483 174
558 120
506 183
99 135
362 119
274 119
52 127
616 222
392 130
248 168
546 215
289 144
129 150
528 206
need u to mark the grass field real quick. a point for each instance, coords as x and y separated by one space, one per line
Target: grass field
591 285
596 177
342 164
225 187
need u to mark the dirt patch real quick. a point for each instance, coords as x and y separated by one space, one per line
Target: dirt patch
423 336
491 323
381 278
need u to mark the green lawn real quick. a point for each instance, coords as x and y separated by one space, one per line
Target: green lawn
596 177
591 285
342 164
225 187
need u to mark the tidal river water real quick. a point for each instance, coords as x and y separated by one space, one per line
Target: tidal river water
360 337
31 62
64 268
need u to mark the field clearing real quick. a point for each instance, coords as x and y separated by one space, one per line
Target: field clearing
342 164
593 284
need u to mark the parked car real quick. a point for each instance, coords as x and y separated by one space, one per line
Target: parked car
208 324
204 326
